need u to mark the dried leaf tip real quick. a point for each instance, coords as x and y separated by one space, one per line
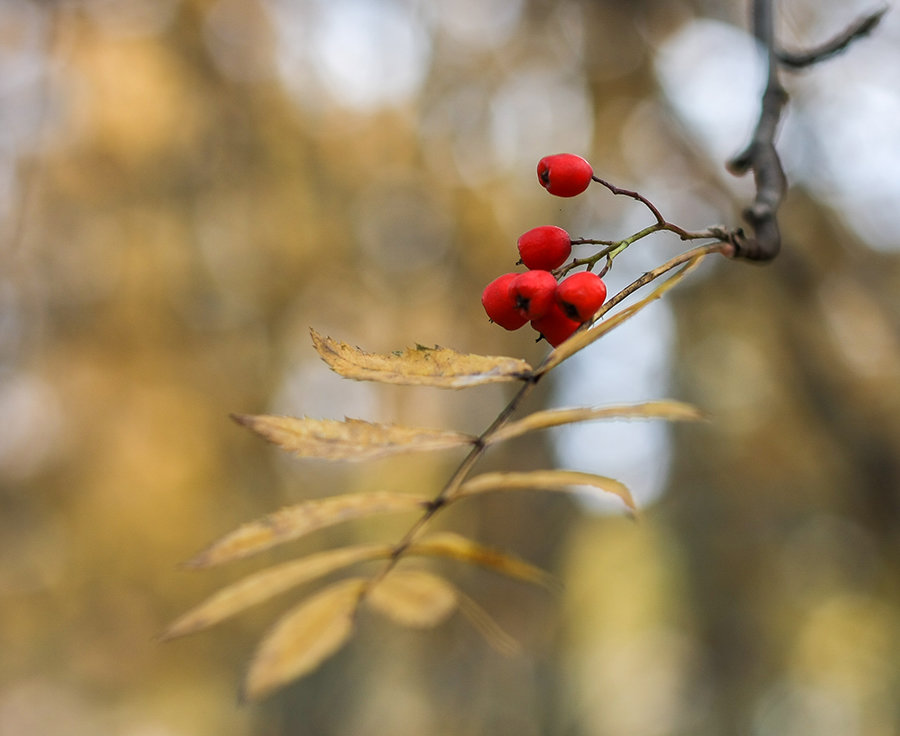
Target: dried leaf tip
243 419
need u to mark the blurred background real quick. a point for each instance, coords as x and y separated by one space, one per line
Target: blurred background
186 186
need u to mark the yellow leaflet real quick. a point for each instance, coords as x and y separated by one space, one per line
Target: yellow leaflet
295 521
419 366
265 584
413 598
457 547
543 480
663 409
303 638
351 439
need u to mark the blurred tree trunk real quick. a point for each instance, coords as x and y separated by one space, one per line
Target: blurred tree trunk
805 427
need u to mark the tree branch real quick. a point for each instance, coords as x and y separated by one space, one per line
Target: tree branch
862 27
761 156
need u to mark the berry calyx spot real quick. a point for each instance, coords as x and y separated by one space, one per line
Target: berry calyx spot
534 293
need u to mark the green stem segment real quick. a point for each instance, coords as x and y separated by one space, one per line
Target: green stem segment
618 247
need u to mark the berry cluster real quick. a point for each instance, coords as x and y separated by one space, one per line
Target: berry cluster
554 308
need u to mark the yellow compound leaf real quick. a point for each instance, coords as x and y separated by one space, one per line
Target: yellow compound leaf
457 547
295 521
583 338
266 584
663 409
351 439
419 366
413 598
303 638
543 480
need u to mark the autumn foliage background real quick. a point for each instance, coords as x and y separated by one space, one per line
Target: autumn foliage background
189 186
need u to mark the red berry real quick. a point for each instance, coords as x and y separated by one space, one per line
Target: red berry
545 247
581 295
534 293
500 304
564 174
555 326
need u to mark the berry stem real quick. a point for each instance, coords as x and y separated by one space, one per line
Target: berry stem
634 195
617 247
614 248
592 241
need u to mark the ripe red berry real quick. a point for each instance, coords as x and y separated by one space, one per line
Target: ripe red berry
534 293
555 326
581 295
500 304
545 248
564 174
